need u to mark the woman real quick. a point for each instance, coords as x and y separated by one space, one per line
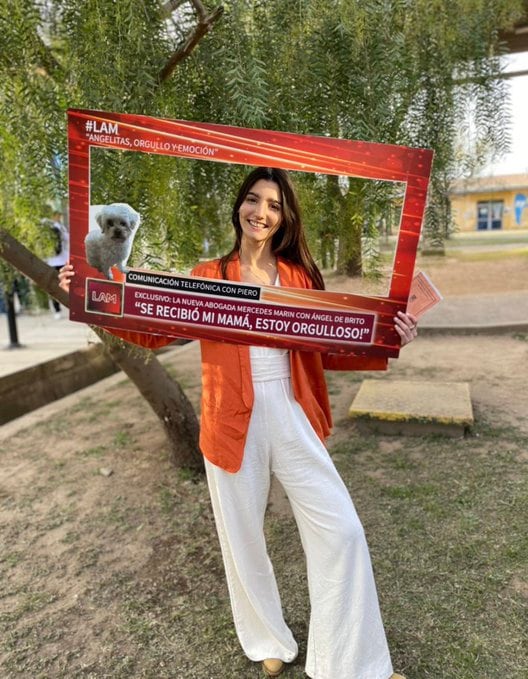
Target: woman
266 411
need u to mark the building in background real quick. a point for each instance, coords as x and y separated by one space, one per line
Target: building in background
491 203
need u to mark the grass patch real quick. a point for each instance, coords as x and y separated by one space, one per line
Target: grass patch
132 584
10 559
167 500
445 526
54 426
486 256
117 514
186 474
521 336
122 439
502 238
95 451
71 537
30 601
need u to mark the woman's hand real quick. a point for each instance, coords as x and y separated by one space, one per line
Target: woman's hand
66 273
406 327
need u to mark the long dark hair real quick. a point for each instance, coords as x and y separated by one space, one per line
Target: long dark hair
289 241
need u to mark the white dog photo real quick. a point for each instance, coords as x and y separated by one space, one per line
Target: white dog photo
111 244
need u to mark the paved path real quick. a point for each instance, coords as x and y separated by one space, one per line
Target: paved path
42 338
507 311
45 338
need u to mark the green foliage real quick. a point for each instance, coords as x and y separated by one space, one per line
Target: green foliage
398 71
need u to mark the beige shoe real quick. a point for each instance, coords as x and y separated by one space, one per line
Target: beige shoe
272 667
397 676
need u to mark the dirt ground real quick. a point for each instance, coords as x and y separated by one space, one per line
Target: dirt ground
494 366
109 565
465 272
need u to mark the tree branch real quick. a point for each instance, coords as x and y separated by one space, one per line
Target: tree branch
49 63
163 394
204 25
199 7
171 6
23 259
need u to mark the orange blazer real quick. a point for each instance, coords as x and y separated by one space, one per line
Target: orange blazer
227 387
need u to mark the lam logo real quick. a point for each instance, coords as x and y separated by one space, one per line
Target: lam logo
104 297
101 127
107 128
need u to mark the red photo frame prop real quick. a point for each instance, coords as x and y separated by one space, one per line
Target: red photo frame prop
171 304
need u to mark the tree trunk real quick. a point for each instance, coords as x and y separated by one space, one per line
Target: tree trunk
162 393
349 218
166 398
349 255
9 299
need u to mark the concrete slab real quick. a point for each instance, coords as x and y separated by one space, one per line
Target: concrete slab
413 408
34 387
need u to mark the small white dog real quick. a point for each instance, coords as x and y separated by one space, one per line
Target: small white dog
113 244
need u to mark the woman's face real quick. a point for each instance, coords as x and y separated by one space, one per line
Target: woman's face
261 212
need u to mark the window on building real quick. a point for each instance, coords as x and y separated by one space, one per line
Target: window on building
489 214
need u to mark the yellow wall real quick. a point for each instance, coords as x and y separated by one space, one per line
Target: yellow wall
464 208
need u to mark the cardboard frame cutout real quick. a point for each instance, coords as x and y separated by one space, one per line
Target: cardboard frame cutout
181 306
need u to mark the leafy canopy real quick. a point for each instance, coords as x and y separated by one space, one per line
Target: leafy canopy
396 71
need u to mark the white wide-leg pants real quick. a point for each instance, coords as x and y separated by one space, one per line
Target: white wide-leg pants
346 638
